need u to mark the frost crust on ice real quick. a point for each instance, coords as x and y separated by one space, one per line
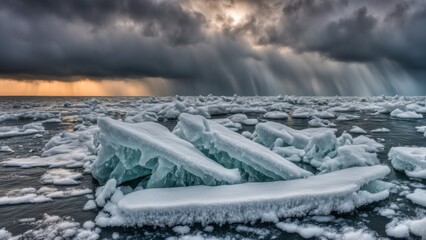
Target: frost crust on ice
232 150
340 191
150 151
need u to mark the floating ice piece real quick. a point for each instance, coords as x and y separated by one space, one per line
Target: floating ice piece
303 113
356 129
29 115
130 151
416 108
418 196
340 191
324 114
238 118
61 177
6 149
256 162
318 122
55 227
380 130
411 160
324 153
369 144
64 150
90 205
405 115
402 229
21 196
317 232
267 134
421 129
28 129
275 115
391 106
347 117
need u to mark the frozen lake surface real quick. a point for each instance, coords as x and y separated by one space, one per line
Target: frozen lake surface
45 162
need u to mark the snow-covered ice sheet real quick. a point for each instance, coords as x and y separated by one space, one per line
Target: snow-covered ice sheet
150 150
411 160
340 191
230 149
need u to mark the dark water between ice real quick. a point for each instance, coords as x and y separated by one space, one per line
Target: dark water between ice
402 133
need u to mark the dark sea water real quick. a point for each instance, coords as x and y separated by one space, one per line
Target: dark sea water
402 133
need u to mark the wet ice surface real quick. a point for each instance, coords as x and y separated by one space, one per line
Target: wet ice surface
362 223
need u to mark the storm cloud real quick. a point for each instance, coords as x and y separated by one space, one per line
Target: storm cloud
247 47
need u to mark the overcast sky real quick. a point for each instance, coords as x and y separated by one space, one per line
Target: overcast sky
191 47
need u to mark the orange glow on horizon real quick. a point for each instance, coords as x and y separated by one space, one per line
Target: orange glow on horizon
84 87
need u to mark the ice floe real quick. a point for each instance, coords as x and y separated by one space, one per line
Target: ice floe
318 122
340 191
405 115
6 149
275 115
380 130
358 130
55 227
30 115
64 150
411 160
319 146
61 177
28 129
418 196
403 228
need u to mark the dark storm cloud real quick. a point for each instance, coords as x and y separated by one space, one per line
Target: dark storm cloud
354 31
276 47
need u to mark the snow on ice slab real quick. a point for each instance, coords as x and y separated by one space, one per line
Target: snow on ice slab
412 160
340 191
129 151
256 162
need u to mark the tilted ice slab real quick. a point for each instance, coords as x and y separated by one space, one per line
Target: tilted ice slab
340 191
411 160
147 149
230 149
